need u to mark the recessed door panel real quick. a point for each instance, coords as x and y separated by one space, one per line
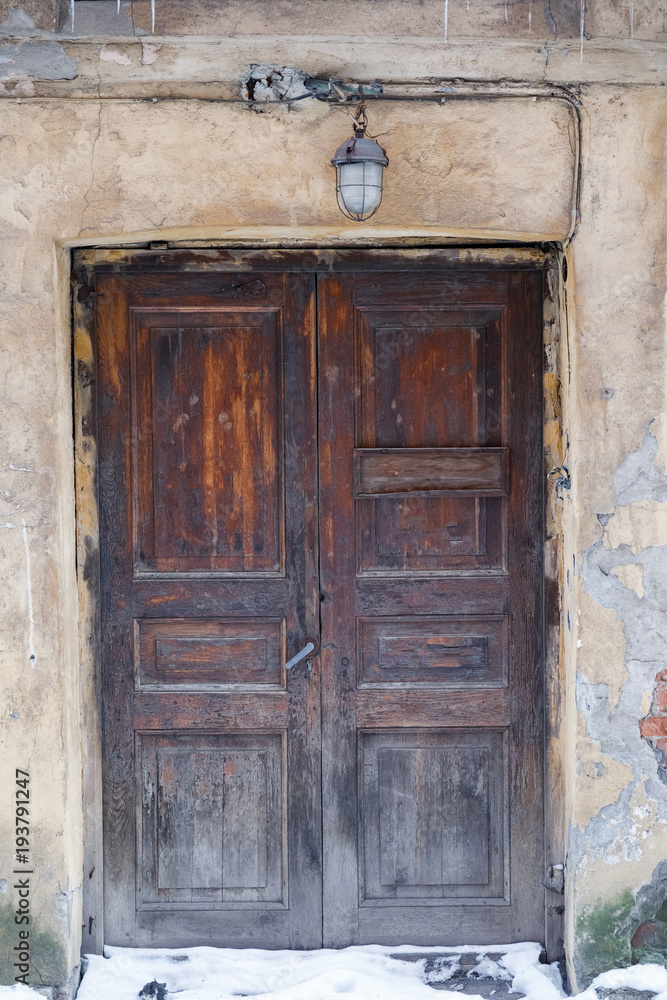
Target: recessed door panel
433 816
210 652
432 651
212 823
208 406
427 380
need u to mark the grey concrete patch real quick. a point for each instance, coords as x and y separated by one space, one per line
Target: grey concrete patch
36 59
97 19
637 477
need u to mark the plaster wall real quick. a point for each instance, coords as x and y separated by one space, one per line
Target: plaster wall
79 170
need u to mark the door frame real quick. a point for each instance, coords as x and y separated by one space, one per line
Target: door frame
85 263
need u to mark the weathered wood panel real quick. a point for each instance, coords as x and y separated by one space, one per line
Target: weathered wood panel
208 464
448 471
437 368
187 652
434 815
209 581
431 651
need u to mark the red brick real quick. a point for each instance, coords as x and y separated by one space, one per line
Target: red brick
653 725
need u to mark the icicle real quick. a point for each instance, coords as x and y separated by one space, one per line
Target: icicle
118 9
530 15
152 17
446 13
71 9
583 15
632 20
467 4
505 10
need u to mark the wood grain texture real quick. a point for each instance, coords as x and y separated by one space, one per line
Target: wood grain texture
208 582
432 651
426 471
211 652
434 816
208 431
448 805
214 830
439 594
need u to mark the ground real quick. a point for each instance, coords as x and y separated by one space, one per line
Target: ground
370 972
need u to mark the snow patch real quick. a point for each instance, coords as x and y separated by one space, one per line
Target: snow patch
369 972
18 992
635 977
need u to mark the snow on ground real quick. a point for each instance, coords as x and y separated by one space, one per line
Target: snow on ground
636 977
360 973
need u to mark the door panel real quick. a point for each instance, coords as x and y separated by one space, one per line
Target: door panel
432 688
401 776
433 813
208 462
209 581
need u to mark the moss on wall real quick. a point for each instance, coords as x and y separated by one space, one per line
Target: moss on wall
602 939
48 957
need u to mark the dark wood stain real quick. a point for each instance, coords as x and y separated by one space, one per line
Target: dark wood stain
208 582
480 472
394 792
440 783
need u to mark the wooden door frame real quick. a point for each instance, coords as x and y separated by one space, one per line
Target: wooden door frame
85 264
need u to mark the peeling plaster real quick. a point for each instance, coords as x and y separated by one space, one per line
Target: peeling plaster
638 477
631 576
622 830
113 55
601 641
601 778
640 525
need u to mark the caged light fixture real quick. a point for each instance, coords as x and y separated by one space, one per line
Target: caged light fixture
359 163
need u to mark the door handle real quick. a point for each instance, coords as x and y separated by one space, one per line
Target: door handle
307 651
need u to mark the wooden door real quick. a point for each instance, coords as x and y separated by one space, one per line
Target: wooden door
409 790
431 464
208 526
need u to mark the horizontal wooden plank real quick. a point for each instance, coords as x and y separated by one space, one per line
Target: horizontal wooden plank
407 707
212 597
458 594
184 928
475 472
178 256
164 710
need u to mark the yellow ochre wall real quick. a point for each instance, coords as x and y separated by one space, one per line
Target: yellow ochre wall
90 158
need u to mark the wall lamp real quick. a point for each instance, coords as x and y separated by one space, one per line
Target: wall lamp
359 163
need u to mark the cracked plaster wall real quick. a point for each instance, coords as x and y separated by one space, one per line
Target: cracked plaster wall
85 171
618 515
121 170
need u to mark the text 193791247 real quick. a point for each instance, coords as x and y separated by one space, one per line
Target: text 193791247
22 880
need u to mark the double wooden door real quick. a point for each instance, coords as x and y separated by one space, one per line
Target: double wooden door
290 449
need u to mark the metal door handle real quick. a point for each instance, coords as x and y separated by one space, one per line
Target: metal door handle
301 655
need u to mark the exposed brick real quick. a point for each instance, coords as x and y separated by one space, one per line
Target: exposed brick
653 725
661 696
